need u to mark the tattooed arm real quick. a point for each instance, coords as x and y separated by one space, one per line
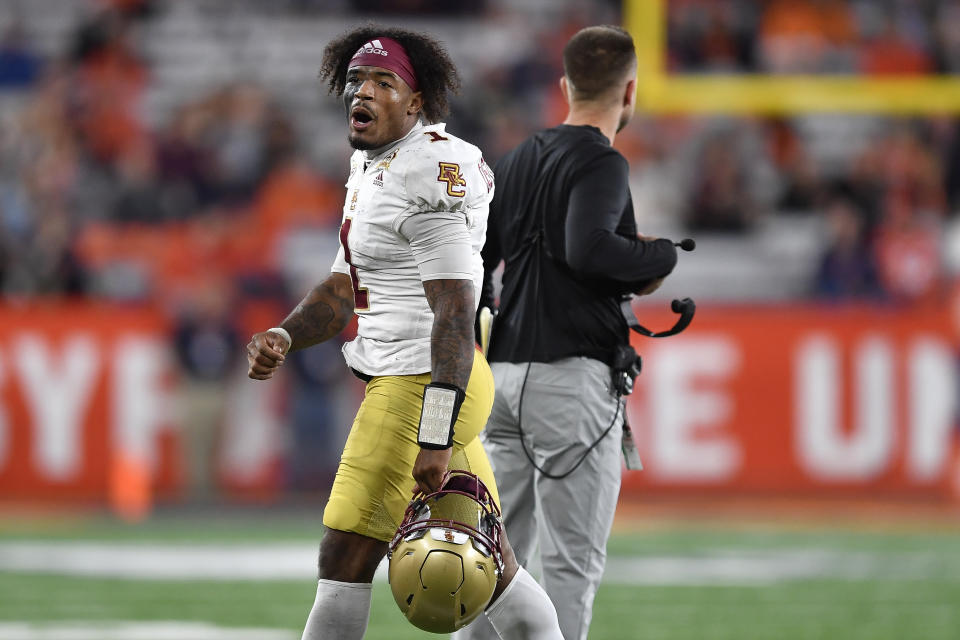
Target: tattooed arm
451 358
321 315
451 341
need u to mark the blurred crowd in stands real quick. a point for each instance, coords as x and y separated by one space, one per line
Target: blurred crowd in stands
885 193
814 36
199 211
96 201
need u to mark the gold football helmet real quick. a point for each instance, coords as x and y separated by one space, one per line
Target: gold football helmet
445 558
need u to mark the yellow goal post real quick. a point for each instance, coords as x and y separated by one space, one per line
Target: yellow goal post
661 92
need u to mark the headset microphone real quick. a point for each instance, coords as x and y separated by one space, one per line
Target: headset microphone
685 308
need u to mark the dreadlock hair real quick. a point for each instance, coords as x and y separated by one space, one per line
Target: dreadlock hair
436 73
597 58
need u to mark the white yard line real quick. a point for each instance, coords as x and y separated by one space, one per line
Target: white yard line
137 631
163 562
720 567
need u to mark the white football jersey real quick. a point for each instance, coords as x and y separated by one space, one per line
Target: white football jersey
426 170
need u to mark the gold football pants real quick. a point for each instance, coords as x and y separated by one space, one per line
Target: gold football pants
374 481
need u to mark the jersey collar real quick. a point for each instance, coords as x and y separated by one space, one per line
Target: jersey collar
372 155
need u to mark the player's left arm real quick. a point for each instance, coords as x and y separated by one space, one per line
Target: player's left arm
451 360
441 245
440 241
451 340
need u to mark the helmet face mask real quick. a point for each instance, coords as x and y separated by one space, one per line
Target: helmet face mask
445 559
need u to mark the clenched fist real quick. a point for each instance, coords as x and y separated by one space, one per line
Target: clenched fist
265 353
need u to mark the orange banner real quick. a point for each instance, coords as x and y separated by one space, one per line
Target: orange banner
83 402
797 399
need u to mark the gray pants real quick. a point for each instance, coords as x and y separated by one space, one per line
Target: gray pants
567 405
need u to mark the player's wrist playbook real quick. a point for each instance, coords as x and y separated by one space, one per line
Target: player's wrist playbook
441 406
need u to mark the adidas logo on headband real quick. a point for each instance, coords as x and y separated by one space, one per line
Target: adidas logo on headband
374 46
389 54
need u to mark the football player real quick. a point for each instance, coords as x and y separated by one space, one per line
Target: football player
409 267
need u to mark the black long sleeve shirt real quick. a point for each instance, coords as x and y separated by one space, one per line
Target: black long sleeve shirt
562 222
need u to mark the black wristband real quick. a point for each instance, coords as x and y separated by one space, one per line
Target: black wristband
438 414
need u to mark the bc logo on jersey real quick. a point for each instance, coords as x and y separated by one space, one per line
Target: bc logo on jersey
450 173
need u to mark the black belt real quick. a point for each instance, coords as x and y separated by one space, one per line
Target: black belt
360 375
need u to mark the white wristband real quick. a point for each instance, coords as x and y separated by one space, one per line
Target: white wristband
441 406
283 333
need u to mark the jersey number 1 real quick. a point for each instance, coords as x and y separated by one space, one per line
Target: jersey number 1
361 295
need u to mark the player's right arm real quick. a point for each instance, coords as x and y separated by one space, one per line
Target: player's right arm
322 314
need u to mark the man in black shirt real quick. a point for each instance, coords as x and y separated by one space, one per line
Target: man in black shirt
562 222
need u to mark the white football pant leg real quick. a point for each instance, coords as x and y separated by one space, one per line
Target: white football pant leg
341 610
524 612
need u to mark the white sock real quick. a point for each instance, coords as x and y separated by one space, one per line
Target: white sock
524 611
340 612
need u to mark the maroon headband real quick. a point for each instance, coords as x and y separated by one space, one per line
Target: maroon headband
388 54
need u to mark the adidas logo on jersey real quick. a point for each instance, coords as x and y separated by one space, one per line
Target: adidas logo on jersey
378 180
374 46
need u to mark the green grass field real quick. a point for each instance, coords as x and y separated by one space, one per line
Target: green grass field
679 581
